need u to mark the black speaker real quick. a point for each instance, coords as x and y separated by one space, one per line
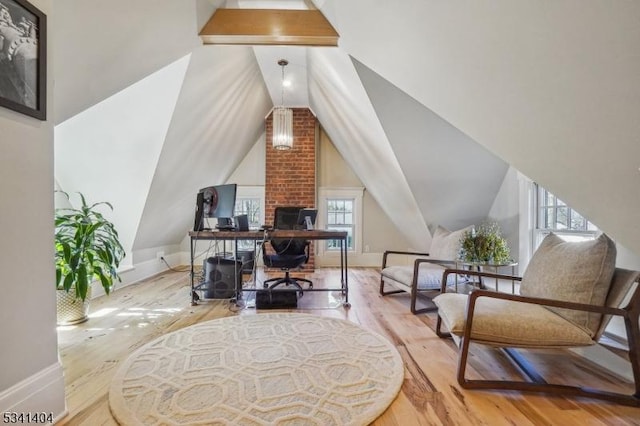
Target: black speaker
199 217
241 222
276 299
247 258
223 278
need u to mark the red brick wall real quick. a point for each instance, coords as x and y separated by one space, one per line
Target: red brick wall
291 175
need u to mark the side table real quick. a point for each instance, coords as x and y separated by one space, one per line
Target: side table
479 266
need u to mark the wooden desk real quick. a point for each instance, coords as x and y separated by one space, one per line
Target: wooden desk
264 236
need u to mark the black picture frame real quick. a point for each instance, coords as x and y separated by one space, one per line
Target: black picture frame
23 58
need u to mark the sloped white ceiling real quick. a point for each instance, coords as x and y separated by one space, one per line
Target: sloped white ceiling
218 118
101 47
110 151
294 94
453 179
553 88
337 96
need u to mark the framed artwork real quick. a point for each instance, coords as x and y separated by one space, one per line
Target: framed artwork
23 58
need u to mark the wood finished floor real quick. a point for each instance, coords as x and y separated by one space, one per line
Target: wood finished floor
134 315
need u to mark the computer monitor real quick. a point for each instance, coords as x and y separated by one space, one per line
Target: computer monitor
307 218
215 202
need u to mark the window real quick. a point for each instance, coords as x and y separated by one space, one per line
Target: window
251 207
554 215
250 201
340 218
340 209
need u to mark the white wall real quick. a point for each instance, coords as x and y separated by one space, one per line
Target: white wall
553 88
252 169
506 211
31 376
379 233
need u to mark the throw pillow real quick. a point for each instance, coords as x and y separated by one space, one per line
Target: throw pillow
445 244
578 272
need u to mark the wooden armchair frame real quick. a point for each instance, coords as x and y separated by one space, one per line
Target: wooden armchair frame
630 313
413 286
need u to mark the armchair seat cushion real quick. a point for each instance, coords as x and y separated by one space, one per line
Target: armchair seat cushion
429 276
499 322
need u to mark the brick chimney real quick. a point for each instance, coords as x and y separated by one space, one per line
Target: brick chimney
291 175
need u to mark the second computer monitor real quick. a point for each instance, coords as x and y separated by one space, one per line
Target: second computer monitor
215 202
307 218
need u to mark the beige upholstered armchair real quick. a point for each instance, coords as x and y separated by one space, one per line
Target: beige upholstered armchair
568 294
425 274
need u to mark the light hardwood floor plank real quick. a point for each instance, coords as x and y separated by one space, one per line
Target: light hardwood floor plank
137 314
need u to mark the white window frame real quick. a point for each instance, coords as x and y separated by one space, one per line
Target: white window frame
539 232
250 192
531 235
347 193
253 192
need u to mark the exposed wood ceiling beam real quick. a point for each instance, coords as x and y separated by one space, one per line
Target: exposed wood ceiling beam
269 26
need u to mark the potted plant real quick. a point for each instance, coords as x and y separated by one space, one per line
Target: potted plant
87 248
484 245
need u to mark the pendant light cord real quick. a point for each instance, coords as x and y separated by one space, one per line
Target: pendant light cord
283 63
282 88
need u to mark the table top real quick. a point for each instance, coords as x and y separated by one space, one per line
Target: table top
314 234
494 265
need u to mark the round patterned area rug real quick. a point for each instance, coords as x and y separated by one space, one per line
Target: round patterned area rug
265 369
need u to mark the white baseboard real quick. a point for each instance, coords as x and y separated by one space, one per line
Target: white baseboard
41 393
370 260
140 271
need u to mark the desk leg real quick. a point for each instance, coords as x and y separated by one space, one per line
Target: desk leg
194 296
345 272
235 272
342 264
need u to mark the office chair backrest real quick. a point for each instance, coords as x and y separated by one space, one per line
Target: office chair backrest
286 217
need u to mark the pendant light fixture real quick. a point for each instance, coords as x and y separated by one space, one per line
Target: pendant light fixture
282 119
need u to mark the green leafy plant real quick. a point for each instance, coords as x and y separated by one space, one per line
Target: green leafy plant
87 248
484 245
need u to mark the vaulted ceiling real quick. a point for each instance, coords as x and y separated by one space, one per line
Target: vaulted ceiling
428 103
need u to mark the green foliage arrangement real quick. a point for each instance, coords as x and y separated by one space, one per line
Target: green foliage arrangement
484 245
87 248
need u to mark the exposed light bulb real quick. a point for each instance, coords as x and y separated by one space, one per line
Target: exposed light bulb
283 118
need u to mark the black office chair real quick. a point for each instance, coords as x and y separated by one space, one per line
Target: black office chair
289 253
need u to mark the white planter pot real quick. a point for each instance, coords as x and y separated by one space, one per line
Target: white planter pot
70 309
